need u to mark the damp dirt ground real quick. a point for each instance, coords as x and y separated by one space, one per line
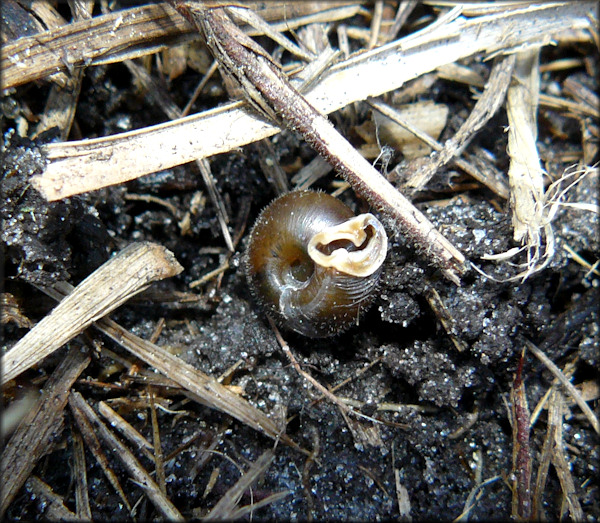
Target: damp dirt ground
435 398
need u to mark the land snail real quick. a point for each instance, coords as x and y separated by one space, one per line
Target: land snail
312 264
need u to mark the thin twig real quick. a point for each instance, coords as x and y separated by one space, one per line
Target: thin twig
490 101
31 439
521 463
82 410
573 392
269 92
327 393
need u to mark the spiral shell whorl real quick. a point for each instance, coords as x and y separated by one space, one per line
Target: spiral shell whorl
312 264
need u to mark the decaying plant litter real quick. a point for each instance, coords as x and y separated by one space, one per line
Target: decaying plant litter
140 142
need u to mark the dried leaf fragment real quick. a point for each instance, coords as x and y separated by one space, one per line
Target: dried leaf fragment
426 116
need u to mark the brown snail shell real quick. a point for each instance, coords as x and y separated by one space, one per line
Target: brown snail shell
312 264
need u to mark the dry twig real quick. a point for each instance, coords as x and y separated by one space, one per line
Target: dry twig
31 439
573 392
82 411
126 274
271 94
199 386
76 167
521 462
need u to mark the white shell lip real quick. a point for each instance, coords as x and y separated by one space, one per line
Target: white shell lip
360 263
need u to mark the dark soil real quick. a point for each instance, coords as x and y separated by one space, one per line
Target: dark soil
446 414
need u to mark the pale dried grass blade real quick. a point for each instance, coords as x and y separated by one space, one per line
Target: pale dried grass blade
133 466
81 166
526 176
129 272
403 498
563 469
31 439
571 389
55 509
225 507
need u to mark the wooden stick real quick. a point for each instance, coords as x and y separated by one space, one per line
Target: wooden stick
269 92
31 439
126 274
86 165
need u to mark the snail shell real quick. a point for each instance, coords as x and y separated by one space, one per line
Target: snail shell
312 264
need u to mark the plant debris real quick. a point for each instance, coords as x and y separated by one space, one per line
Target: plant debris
139 378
